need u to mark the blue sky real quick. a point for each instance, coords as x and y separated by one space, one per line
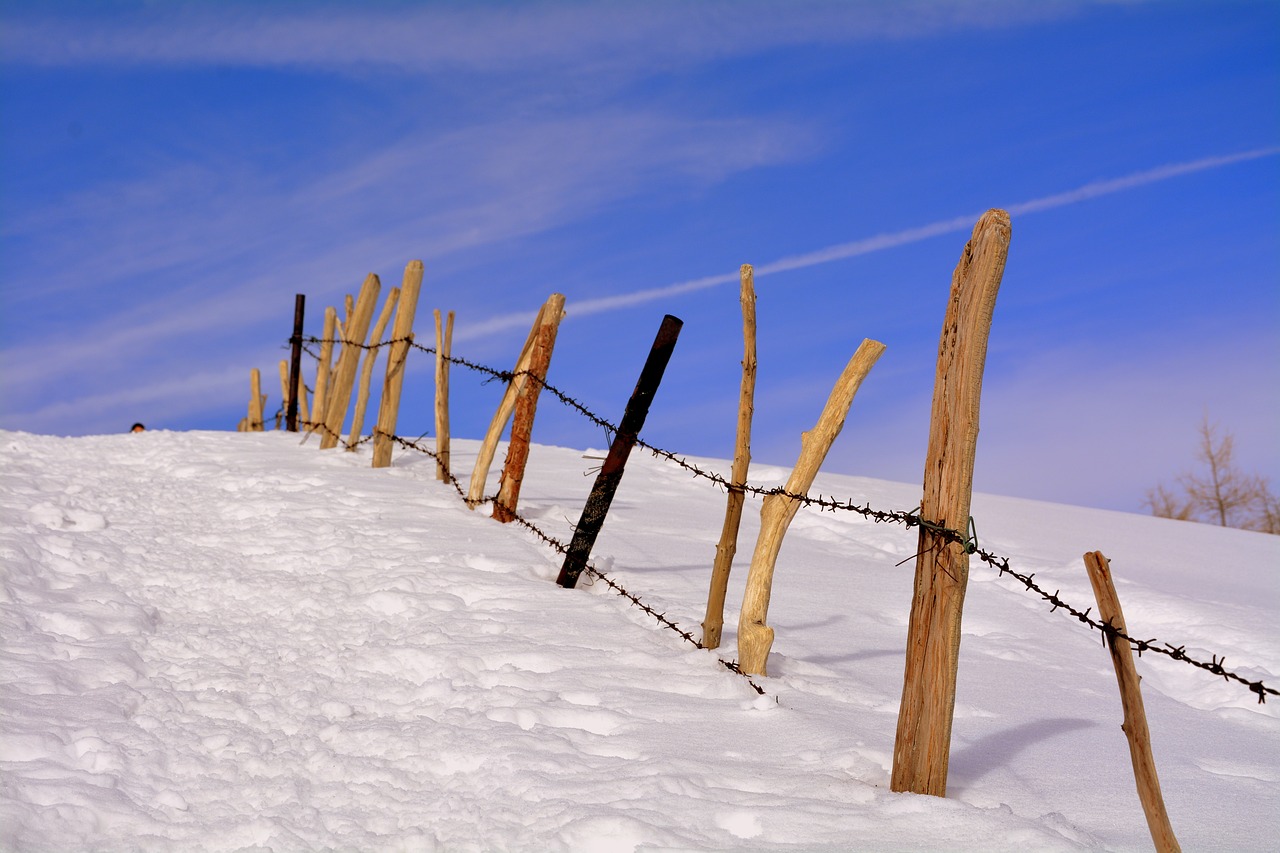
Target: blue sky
171 174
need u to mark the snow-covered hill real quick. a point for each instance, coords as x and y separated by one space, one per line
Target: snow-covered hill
229 641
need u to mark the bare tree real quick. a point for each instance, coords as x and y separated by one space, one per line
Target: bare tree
1220 493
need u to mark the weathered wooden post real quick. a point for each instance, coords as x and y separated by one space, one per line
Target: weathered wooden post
522 424
597 506
755 638
1135 715
366 367
322 368
401 337
256 401
444 348
922 746
295 363
354 334
713 622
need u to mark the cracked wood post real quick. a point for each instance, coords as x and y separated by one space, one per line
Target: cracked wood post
606 484
755 638
354 334
922 745
366 368
444 348
401 337
294 379
257 400
322 368
504 507
1135 716
488 446
713 622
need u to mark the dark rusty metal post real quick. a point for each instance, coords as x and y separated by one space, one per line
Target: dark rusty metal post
295 364
584 535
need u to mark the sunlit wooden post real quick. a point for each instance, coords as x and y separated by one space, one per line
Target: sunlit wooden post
344 375
922 746
366 367
256 401
401 337
444 348
322 369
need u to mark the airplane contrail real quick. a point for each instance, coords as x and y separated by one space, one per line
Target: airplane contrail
879 242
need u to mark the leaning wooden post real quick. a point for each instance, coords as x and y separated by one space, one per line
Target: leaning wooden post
444 348
1135 716
401 337
366 368
713 622
256 401
489 445
922 745
633 417
322 369
295 364
354 334
504 507
755 638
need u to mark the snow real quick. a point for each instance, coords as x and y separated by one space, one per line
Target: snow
226 641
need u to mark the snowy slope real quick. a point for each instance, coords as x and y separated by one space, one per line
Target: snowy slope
227 641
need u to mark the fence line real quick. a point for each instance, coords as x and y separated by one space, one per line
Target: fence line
908 519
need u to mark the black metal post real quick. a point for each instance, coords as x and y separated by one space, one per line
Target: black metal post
584 535
295 364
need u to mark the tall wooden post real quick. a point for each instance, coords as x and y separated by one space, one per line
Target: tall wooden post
597 506
755 638
354 333
1135 715
922 747
366 367
713 622
401 335
444 348
322 369
295 363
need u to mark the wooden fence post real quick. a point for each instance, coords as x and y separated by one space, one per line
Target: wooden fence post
257 400
922 746
1135 715
633 417
322 368
295 364
401 336
444 348
713 622
366 368
488 446
526 406
354 334
755 638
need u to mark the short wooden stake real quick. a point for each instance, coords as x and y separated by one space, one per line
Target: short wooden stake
294 379
284 392
922 746
504 507
401 337
1135 716
713 622
597 506
354 333
366 367
755 638
257 400
444 348
323 368
489 445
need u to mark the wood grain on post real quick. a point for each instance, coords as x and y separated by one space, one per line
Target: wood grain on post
343 380
526 406
366 367
484 458
257 400
284 385
1135 716
755 638
713 622
922 745
322 369
444 348
401 336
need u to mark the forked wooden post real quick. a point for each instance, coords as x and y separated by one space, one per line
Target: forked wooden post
256 401
755 638
522 424
401 336
444 348
922 746
713 622
489 445
366 367
354 333
1135 716
294 378
322 369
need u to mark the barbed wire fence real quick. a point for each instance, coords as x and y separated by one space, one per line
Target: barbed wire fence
909 519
